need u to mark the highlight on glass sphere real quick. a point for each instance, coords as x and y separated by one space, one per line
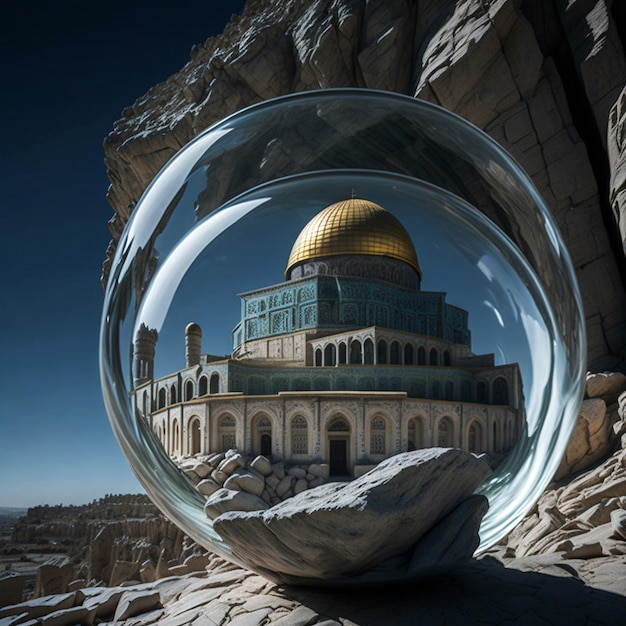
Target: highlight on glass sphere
342 315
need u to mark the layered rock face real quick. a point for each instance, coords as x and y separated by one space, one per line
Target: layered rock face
542 78
113 540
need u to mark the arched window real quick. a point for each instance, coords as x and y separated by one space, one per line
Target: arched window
144 402
214 383
173 394
381 356
394 353
203 386
416 434
378 439
356 354
162 397
500 391
227 433
481 392
175 437
495 444
421 355
445 433
474 437
189 390
368 352
449 392
342 353
433 357
318 357
299 435
408 354
330 353
194 436
446 358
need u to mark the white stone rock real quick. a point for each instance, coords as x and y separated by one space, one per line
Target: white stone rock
272 481
300 486
279 470
618 521
231 463
350 527
262 465
134 603
207 486
319 469
225 500
285 486
219 477
606 385
298 472
202 470
246 481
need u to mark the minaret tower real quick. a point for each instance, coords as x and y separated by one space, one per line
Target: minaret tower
143 352
193 344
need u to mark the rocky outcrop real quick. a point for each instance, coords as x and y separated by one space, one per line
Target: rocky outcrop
583 517
617 162
114 540
482 592
594 438
542 78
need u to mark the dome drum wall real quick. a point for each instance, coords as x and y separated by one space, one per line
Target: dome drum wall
372 267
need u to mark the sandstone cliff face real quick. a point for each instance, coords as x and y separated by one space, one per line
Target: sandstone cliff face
544 78
112 540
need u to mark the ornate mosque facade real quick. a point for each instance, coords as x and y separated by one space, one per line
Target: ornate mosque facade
346 362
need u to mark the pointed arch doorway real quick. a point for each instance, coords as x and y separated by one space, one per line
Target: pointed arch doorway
338 440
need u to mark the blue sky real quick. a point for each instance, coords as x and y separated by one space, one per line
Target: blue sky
68 71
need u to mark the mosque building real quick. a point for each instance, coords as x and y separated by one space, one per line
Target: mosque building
346 362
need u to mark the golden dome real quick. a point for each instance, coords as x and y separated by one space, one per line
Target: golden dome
353 226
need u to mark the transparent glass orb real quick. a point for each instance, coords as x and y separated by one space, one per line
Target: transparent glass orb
221 217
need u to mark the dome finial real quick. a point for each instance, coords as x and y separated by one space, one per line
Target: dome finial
353 193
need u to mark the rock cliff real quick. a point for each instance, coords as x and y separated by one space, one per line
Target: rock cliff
111 541
544 78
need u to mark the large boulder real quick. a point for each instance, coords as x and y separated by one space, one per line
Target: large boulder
348 528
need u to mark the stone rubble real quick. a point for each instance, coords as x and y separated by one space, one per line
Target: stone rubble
255 484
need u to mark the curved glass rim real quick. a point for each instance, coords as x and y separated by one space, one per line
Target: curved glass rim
191 499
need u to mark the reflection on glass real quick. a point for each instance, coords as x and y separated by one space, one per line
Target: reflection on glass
273 296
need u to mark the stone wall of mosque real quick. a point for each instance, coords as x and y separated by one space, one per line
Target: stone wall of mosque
300 427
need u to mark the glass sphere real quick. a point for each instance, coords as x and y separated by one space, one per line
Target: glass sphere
220 220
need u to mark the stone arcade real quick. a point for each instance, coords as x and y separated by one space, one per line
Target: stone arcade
347 362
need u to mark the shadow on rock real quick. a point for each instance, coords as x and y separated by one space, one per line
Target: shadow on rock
483 592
